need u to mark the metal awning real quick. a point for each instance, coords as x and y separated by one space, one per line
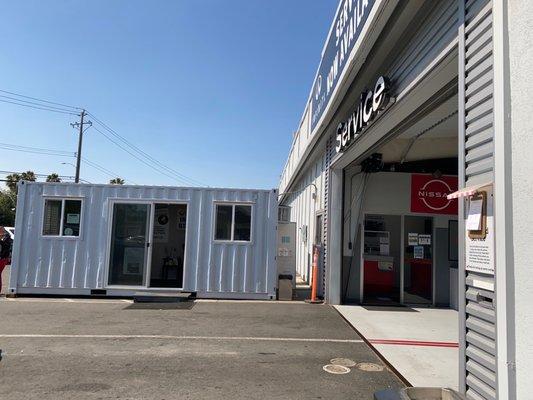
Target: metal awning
468 191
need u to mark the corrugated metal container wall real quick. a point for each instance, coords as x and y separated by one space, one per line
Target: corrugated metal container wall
77 265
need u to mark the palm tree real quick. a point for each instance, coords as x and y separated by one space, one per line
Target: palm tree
117 181
28 176
11 182
53 177
12 179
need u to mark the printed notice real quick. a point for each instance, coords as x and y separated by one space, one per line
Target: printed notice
412 239
473 222
418 252
73 218
479 252
424 240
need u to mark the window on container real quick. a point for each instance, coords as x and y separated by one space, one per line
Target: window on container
233 222
52 217
223 222
243 223
62 217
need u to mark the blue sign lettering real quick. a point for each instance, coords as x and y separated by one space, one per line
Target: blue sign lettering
347 26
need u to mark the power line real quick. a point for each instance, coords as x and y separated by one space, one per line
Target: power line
179 176
37 108
135 155
9 146
41 100
47 153
36 174
104 170
35 103
52 152
130 148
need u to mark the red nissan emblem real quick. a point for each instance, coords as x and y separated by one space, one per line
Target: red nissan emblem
433 194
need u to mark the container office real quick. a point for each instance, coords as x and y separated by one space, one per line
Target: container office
78 239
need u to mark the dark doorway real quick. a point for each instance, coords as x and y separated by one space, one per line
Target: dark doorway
168 245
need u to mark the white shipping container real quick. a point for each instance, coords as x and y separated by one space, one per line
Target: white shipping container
83 239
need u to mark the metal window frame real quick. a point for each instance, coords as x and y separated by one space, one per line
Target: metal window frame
233 205
148 255
62 217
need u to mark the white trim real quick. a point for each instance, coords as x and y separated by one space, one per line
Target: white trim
149 272
149 239
111 203
216 203
62 217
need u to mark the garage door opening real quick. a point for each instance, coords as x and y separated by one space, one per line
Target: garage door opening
400 230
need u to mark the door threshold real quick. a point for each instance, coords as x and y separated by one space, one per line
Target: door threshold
162 297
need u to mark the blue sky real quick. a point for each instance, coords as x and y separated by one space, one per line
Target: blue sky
213 88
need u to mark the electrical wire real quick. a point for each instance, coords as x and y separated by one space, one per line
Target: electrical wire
41 100
155 168
37 108
36 174
179 176
125 145
36 104
104 170
26 149
61 153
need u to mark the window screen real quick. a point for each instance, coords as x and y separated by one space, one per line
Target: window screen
52 217
243 221
223 222
61 217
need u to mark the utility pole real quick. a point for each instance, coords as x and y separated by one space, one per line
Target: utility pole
80 141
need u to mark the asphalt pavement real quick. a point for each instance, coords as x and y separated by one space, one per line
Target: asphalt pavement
115 349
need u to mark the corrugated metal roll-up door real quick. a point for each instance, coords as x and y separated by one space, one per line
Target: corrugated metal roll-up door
476 136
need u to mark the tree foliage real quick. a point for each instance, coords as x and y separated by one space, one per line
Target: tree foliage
13 179
53 177
8 202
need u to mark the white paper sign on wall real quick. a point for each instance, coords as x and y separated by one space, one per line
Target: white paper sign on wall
479 252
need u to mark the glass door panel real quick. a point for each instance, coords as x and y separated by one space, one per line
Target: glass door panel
168 245
127 261
418 260
381 259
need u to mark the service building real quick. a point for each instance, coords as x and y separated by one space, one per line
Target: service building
408 171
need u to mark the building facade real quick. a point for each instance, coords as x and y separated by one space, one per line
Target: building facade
407 170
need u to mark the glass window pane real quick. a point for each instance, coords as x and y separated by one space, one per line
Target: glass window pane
72 218
243 221
223 222
128 244
52 217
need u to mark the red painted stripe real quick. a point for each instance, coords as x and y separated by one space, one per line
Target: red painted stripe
402 342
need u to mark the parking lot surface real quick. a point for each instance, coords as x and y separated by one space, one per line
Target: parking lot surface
115 349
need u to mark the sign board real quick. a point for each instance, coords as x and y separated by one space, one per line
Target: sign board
348 23
73 218
412 239
428 194
479 250
161 225
370 104
424 240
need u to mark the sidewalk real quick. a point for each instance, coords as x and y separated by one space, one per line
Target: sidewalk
420 343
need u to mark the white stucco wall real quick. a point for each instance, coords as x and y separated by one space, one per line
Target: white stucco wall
520 17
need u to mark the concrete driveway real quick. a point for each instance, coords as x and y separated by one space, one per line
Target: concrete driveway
114 349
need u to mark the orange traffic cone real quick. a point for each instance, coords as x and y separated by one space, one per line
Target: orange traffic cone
314 283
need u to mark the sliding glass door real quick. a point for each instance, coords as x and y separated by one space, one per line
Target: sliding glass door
129 244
